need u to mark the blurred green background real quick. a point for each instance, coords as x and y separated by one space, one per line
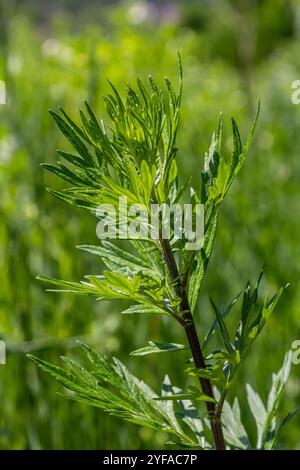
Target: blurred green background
60 52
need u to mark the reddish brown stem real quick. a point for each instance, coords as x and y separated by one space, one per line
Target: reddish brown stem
194 343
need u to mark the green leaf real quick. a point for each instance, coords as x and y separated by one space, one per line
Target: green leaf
215 324
148 309
177 396
95 287
237 148
279 381
267 432
83 375
234 431
132 401
211 163
74 177
168 405
69 287
119 282
258 411
200 262
71 132
156 347
223 329
218 187
239 153
61 375
74 201
172 174
187 414
186 396
248 141
107 292
109 250
202 373
122 262
74 159
249 301
147 181
263 315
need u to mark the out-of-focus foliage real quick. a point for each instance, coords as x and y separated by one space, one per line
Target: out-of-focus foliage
249 50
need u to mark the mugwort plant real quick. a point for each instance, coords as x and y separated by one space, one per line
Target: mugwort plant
133 156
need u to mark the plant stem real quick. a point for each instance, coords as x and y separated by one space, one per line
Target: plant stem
194 343
221 404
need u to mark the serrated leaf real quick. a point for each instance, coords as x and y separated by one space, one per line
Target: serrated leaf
74 159
147 180
278 383
71 132
157 347
203 373
215 324
186 396
234 431
71 287
200 262
239 153
168 406
122 262
223 329
132 401
258 411
265 418
119 282
264 314
218 187
148 309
